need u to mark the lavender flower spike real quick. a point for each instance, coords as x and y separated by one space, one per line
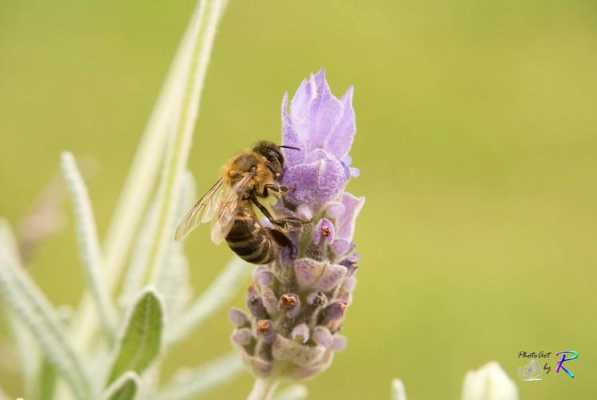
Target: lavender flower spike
298 302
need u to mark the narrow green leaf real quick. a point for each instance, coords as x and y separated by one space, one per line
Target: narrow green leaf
141 341
173 284
91 254
47 376
29 304
195 44
125 388
30 357
179 144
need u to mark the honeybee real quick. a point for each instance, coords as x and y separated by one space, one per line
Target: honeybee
230 202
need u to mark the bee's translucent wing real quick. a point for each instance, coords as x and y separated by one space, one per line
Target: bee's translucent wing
203 211
226 213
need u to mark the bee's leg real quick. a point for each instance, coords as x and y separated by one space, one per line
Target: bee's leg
274 187
281 222
266 212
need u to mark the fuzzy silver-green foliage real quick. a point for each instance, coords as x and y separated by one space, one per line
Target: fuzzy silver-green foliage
110 348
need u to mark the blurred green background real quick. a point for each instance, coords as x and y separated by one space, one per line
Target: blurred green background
477 143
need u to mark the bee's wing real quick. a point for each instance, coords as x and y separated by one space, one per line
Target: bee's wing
226 213
203 211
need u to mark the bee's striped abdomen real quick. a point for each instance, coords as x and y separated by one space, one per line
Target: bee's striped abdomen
250 241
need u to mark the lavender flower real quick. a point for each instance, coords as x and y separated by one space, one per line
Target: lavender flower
298 302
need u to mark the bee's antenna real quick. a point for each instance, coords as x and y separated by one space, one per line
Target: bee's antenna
290 147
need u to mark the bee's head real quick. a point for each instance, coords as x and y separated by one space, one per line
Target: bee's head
273 154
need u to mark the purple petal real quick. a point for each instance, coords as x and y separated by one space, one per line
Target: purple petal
346 224
339 343
324 114
302 180
304 212
269 299
334 209
307 271
242 337
322 336
263 277
333 314
340 140
238 318
311 274
290 138
332 180
302 98
341 247
316 182
350 171
331 277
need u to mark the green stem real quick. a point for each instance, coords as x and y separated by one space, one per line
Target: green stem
263 389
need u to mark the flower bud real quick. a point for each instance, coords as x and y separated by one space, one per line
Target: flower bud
489 383
324 232
270 302
263 277
339 343
242 336
255 304
290 304
318 299
238 318
345 293
264 329
350 263
332 315
311 274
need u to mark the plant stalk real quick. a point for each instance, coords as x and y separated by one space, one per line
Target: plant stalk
263 389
